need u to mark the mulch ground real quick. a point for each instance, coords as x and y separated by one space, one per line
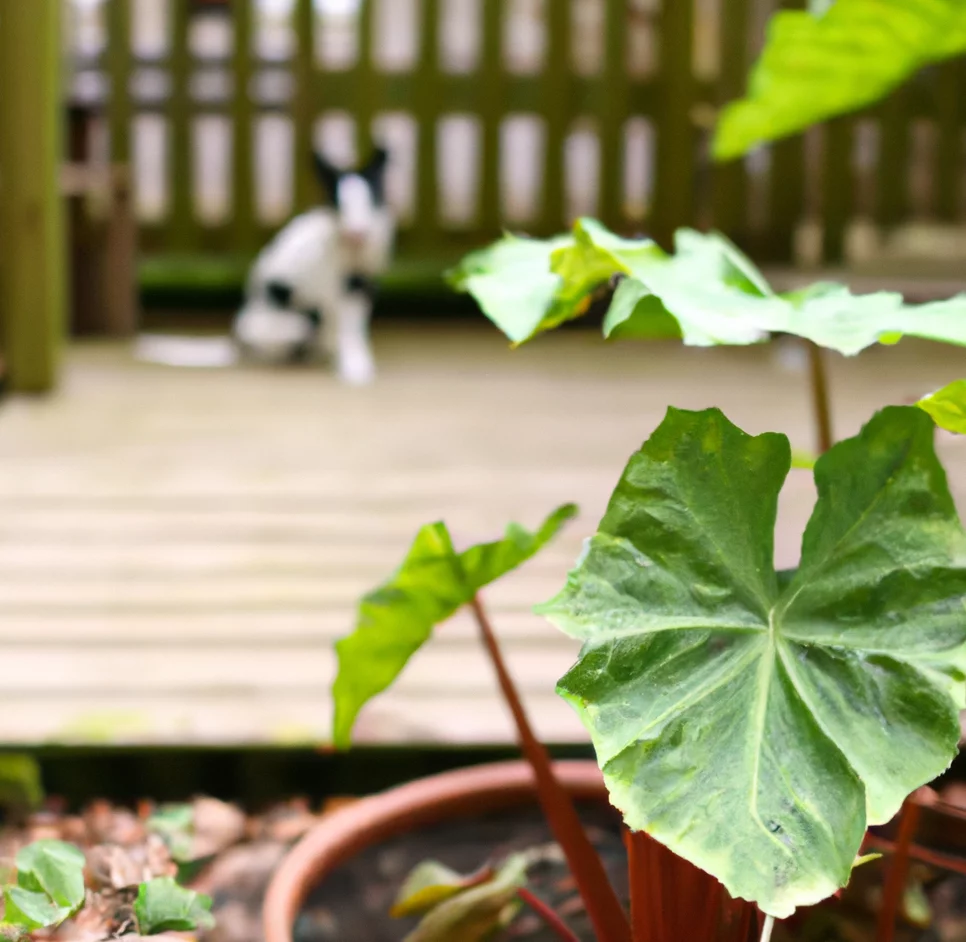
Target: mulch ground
231 856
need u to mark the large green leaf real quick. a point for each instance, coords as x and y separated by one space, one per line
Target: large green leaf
711 291
823 63
163 906
947 406
755 722
398 617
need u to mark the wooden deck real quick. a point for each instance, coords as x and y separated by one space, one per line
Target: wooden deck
179 548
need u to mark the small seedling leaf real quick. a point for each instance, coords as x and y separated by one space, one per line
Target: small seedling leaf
163 906
397 618
54 868
476 913
754 722
833 59
947 407
429 884
174 824
29 909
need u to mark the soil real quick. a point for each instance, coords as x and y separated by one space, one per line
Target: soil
353 904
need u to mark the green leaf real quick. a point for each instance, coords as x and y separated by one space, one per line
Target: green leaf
832 317
816 65
475 914
947 407
713 291
755 722
54 868
528 286
429 884
163 906
714 294
718 296
30 910
174 824
487 562
398 617
512 282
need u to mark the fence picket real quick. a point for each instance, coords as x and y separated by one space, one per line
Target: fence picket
491 114
426 106
949 150
306 104
555 96
612 113
243 171
837 188
179 226
119 64
676 165
892 190
729 194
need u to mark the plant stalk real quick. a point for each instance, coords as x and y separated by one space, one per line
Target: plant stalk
921 854
895 881
821 405
603 907
553 921
767 929
647 916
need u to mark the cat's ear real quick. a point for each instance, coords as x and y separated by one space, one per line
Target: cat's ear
328 174
374 172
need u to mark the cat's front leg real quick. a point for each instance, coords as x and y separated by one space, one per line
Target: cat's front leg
354 360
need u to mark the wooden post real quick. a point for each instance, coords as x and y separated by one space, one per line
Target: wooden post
32 250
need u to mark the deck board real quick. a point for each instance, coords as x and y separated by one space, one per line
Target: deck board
179 548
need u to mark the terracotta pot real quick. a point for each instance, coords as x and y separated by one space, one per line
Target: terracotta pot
427 801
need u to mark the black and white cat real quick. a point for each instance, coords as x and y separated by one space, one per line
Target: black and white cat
312 287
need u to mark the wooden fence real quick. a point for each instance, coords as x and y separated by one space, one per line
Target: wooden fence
607 111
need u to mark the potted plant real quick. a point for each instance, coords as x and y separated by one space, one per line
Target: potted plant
750 725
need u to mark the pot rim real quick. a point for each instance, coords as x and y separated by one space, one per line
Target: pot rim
425 801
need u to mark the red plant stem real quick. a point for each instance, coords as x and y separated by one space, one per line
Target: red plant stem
645 887
601 902
553 921
712 912
896 877
747 920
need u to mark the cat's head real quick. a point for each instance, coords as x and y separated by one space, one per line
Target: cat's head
356 195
